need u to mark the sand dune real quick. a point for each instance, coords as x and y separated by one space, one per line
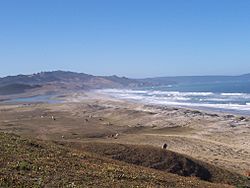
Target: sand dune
220 139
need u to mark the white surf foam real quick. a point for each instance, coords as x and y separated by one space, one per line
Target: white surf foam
228 101
232 94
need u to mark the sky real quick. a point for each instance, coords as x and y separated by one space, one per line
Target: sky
133 38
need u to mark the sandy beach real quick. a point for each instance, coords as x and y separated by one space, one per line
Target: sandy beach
218 138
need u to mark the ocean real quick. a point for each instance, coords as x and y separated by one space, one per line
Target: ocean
233 97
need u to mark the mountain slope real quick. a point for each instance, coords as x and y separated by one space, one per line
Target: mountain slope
16 88
65 81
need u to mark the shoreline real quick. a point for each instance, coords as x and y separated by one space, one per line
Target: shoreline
79 96
98 95
190 107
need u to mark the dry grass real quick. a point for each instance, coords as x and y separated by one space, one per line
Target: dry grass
33 163
164 160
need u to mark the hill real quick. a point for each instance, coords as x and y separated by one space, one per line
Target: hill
16 88
166 161
57 81
33 163
70 80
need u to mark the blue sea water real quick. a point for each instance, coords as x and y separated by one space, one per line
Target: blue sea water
39 98
217 96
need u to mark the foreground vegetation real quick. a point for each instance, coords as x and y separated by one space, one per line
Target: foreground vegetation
34 163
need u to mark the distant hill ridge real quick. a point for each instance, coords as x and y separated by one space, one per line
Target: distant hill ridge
67 80
70 80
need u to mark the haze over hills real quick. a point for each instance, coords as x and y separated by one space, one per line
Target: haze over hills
65 80
62 80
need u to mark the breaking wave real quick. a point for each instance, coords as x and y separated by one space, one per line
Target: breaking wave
221 101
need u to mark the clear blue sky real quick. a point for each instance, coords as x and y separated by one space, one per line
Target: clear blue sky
134 38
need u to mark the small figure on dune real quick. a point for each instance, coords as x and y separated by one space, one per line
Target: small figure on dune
52 117
116 135
164 146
